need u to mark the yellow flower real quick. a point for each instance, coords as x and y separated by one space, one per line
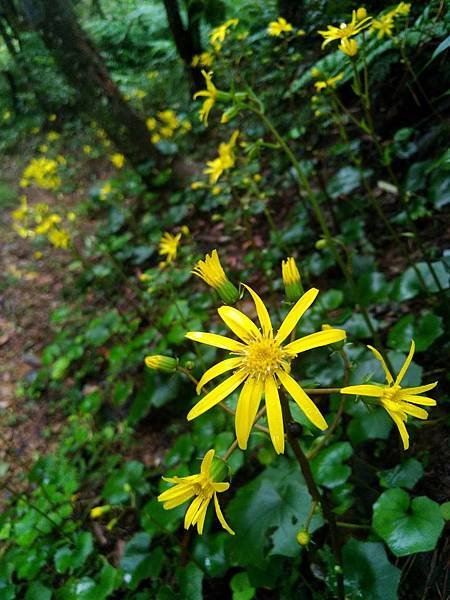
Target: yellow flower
43 148
210 94
212 273
87 149
43 172
276 28
203 487
328 83
384 25
105 190
303 537
402 9
52 118
291 279
117 159
261 362
202 60
47 224
197 185
185 230
52 136
217 35
168 246
216 190
159 362
349 47
151 123
397 401
58 238
224 161
166 132
345 30
155 138
170 118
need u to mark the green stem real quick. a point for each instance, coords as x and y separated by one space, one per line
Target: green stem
315 495
303 180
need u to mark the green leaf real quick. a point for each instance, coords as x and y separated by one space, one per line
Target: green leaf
37 591
344 181
240 585
445 510
278 501
327 466
424 333
210 553
368 575
405 475
129 479
70 559
441 48
369 424
190 580
407 526
138 563
408 286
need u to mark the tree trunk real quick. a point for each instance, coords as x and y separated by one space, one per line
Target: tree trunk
187 40
85 69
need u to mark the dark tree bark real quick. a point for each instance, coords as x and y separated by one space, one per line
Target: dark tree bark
85 69
187 39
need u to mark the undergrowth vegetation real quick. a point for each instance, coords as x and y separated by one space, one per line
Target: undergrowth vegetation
248 362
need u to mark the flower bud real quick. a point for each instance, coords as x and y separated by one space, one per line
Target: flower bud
167 364
321 244
211 271
99 511
303 537
361 13
291 279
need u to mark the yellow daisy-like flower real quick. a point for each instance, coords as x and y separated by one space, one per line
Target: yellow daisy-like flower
397 401
168 246
202 60
218 34
345 30
203 488
261 362
212 273
210 94
224 161
384 26
276 28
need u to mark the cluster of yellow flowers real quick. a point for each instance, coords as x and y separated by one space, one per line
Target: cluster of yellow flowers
260 361
384 25
42 172
165 125
224 161
117 159
38 220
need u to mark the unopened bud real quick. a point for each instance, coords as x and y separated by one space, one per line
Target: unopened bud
161 363
303 537
321 244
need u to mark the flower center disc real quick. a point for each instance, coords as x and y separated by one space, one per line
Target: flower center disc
262 358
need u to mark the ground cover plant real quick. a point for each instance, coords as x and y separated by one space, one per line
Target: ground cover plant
224 300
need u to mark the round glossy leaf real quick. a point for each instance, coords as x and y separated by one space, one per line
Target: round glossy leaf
407 526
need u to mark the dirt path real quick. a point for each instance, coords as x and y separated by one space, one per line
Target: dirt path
29 292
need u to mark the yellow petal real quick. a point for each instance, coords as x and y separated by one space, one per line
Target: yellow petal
261 311
212 339
246 410
378 356
221 517
373 391
406 363
419 389
304 402
216 370
217 395
401 428
221 486
424 400
274 415
192 511
315 340
239 323
207 462
414 411
200 516
169 504
295 314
